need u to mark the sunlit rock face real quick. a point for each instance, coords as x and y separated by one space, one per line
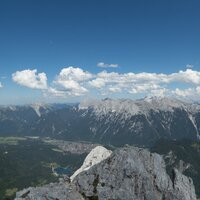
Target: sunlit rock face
97 155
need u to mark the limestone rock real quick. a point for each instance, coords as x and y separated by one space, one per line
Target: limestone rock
52 191
97 155
132 173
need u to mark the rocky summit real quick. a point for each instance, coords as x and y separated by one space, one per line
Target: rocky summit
129 173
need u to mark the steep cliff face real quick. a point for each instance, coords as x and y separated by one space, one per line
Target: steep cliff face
129 173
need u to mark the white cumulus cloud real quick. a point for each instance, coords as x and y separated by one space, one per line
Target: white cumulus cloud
114 89
71 80
143 88
189 66
104 65
1 85
73 73
183 92
98 83
30 78
55 92
161 92
188 76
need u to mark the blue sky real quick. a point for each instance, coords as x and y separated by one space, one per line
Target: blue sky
152 36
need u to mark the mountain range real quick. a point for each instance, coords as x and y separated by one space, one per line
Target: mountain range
108 121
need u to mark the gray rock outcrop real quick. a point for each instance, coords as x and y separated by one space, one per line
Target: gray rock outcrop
53 191
130 173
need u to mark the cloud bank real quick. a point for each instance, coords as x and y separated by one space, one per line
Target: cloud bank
74 81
